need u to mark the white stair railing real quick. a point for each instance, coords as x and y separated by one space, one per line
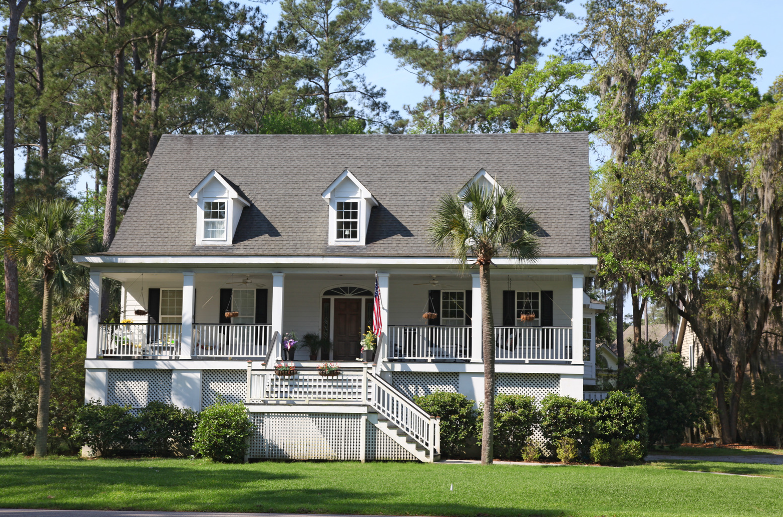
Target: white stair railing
403 413
307 386
533 343
225 340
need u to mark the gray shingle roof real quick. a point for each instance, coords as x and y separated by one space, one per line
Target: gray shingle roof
284 175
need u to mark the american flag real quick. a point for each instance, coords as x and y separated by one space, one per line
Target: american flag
376 309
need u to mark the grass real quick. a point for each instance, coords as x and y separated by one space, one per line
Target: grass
746 469
661 489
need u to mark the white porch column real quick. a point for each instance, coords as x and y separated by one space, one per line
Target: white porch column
577 313
188 286
382 350
96 385
476 319
94 315
277 310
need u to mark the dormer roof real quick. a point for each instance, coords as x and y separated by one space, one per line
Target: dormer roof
481 176
232 190
347 176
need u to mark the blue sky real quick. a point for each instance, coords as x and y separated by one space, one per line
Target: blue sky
758 18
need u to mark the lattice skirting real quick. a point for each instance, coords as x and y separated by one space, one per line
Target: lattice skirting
536 385
137 388
302 436
419 384
231 384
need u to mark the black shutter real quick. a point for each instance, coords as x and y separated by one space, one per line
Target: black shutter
547 313
153 307
225 305
469 307
261 305
193 314
509 308
433 305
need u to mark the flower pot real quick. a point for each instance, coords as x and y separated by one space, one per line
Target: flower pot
284 374
368 355
288 354
232 314
313 356
329 374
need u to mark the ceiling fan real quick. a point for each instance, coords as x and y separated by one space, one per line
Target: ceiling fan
245 281
433 281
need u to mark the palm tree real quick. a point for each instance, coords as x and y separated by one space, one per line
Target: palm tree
43 239
480 224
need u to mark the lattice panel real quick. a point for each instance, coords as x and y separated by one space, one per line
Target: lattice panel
380 447
297 436
137 388
536 385
419 384
232 384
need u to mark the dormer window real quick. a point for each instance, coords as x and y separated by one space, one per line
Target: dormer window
349 210
220 205
215 220
347 220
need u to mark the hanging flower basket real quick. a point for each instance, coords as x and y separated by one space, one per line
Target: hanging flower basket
232 314
430 315
527 317
285 370
140 312
328 370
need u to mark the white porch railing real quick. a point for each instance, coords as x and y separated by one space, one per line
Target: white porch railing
429 342
595 396
308 386
403 413
533 343
139 339
221 340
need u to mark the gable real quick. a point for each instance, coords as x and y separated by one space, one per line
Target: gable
284 178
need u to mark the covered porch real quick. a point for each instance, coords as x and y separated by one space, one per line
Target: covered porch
244 313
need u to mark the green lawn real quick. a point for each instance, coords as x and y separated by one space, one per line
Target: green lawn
715 451
747 469
387 488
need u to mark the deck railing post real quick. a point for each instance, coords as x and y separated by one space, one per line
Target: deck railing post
437 434
94 315
186 339
431 441
476 337
576 317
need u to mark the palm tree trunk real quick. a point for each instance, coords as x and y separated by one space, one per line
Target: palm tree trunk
488 344
44 370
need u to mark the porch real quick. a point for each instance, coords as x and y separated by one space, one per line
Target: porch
239 315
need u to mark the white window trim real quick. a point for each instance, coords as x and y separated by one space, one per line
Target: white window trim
204 220
253 297
358 220
160 308
366 202
442 311
533 323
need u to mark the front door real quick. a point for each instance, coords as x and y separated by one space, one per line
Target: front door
347 328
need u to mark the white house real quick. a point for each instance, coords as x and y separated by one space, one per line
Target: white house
286 234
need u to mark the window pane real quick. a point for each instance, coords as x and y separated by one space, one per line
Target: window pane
587 335
171 306
528 303
453 308
243 301
214 229
214 210
347 230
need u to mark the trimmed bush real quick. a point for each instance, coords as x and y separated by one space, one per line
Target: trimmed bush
514 419
531 452
566 417
632 451
616 451
458 418
223 431
165 429
567 450
600 452
106 429
622 416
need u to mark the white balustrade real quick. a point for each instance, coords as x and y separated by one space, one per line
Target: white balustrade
595 396
139 339
533 343
403 413
307 386
429 342
222 340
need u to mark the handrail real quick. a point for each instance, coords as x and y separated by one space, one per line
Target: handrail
416 422
272 346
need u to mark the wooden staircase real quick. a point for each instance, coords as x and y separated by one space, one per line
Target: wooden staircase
403 439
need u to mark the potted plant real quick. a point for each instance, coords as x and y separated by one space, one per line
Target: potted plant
325 346
313 343
289 346
285 369
328 370
369 341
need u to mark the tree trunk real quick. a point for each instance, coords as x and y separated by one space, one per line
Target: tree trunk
488 346
155 63
9 128
44 370
638 304
115 134
618 309
43 132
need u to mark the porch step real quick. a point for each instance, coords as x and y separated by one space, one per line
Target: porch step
402 438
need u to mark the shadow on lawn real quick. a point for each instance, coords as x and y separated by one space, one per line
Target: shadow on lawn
153 487
745 469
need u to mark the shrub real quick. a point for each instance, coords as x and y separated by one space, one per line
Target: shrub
531 452
514 419
458 417
622 416
567 450
632 451
165 429
615 451
600 452
566 417
675 397
106 429
223 431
